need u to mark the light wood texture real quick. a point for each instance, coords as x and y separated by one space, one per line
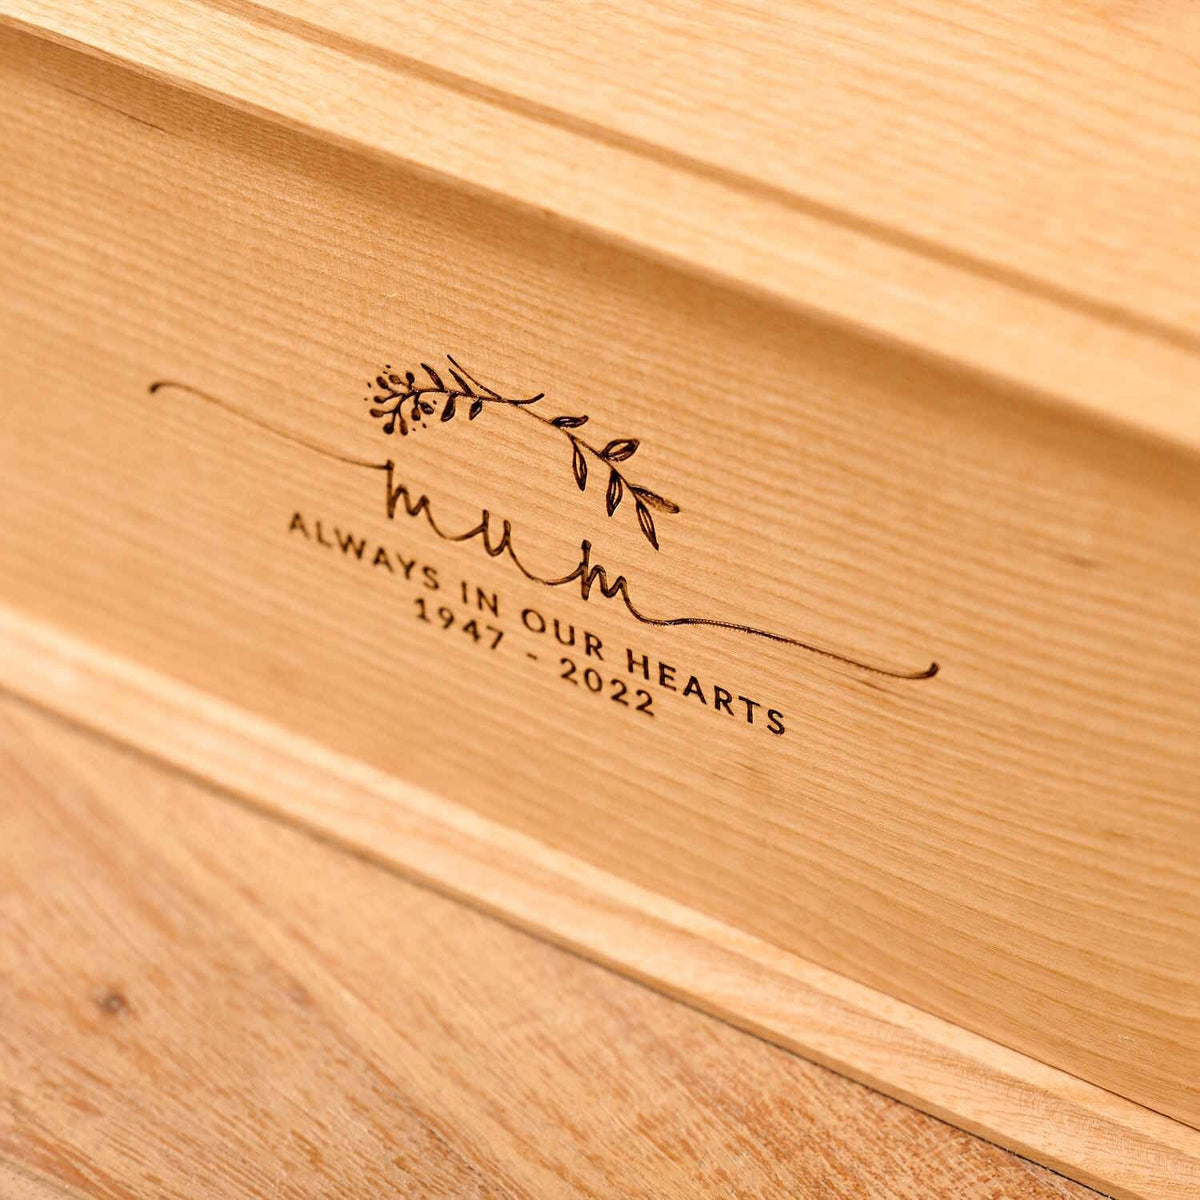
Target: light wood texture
894 454
1056 132
1079 1129
1012 189
200 1002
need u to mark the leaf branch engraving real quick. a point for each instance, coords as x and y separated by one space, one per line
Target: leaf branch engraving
590 577
398 395
404 403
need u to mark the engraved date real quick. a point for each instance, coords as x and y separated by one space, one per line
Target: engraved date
615 689
447 618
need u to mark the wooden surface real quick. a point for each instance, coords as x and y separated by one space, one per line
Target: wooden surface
1032 141
887 450
196 1001
1012 188
1013 845
1057 1119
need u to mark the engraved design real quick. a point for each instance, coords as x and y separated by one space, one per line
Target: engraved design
403 391
398 396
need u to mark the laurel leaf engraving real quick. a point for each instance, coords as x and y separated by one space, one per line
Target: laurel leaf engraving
463 385
654 500
449 408
568 422
616 489
435 378
619 450
579 466
646 521
476 408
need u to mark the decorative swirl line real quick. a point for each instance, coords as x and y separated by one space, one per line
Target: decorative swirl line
588 575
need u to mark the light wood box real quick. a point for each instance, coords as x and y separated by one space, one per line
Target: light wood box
838 675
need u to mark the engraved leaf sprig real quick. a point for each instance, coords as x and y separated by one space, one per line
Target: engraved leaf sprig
618 485
405 402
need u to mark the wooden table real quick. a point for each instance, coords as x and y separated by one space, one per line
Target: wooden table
199 1001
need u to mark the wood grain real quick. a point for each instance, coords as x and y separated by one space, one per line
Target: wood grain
196 1001
968 130
887 453
851 200
1056 1119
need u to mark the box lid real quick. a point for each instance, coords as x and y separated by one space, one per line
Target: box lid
1016 189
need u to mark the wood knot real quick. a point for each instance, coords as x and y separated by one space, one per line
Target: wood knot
112 1003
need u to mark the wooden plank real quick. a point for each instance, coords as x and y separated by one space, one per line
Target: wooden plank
1108 349
198 1001
1056 1119
1056 146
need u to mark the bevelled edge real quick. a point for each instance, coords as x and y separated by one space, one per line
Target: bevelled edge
1059 1120
1039 344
